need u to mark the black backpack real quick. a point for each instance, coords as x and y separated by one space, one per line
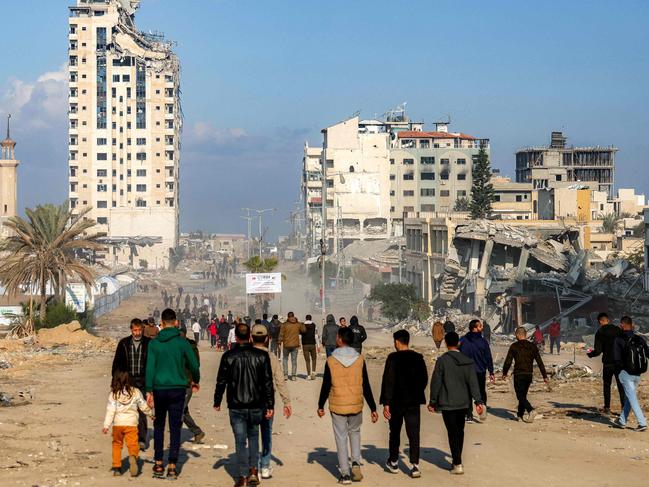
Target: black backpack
635 355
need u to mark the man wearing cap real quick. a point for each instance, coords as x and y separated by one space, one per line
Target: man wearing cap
260 340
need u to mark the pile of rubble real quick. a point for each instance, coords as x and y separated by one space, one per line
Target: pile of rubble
425 328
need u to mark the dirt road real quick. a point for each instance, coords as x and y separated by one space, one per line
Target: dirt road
57 440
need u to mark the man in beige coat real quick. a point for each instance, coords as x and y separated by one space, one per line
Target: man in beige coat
345 384
260 340
289 340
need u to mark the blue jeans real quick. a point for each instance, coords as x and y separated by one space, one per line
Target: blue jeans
630 384
292 351
170 401
266 442
329 351
245 426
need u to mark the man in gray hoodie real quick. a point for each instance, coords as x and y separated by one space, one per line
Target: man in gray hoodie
329 334
452 386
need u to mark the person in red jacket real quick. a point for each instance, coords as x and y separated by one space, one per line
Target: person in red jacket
212 330
539 339
555 336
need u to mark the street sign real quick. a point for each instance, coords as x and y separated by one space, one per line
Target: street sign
264 283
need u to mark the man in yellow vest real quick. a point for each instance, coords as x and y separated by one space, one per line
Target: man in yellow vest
345 384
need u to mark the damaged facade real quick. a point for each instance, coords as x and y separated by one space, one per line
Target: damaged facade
378 170
125 122
544 167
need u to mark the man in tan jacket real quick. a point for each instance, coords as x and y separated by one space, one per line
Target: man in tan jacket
289 340
260 340
345 384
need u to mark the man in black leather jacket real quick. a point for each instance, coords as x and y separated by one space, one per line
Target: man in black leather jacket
246 374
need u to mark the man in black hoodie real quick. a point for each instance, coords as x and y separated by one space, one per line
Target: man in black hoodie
402 399
604 345
359 334
453 385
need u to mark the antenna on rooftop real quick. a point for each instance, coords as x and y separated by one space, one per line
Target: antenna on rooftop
397 114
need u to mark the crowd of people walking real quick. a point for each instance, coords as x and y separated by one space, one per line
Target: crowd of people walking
156 373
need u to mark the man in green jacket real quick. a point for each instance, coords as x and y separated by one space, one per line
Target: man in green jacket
169 356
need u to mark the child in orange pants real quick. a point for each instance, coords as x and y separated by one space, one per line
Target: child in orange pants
122 412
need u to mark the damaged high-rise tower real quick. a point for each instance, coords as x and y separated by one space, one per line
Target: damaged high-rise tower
125 121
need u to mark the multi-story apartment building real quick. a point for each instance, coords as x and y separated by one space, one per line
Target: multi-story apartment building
556 164
125 122
377 171
430 171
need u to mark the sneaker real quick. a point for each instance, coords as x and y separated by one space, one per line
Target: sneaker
457 470
640 428
116 472
526 418
293 378
253 478
313 376
357 476
266 472
532 416
242 482
345 480
142 446
471 420
392 467
158 470
132 465
605 411
414 472
172 473
616 423
198 439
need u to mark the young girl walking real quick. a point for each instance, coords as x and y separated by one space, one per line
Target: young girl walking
122 412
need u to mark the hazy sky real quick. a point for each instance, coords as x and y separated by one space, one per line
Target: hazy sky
259 78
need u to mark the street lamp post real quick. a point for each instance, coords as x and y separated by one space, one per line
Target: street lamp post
260 213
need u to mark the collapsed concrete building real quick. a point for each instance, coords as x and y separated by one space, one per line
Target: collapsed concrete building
518 273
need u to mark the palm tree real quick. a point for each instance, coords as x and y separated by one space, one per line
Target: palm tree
258 265
43 248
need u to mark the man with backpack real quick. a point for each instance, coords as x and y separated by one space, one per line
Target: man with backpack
631 353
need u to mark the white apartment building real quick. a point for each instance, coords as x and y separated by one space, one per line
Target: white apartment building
378 171
125 122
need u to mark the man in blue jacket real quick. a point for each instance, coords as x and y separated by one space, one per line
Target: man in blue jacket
476 347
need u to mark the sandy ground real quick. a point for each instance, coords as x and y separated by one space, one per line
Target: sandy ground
56 438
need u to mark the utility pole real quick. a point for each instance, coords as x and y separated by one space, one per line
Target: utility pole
260 214
249 219
323 234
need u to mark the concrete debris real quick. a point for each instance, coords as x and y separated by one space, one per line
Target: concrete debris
570 371
6 400
510 275
5 364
